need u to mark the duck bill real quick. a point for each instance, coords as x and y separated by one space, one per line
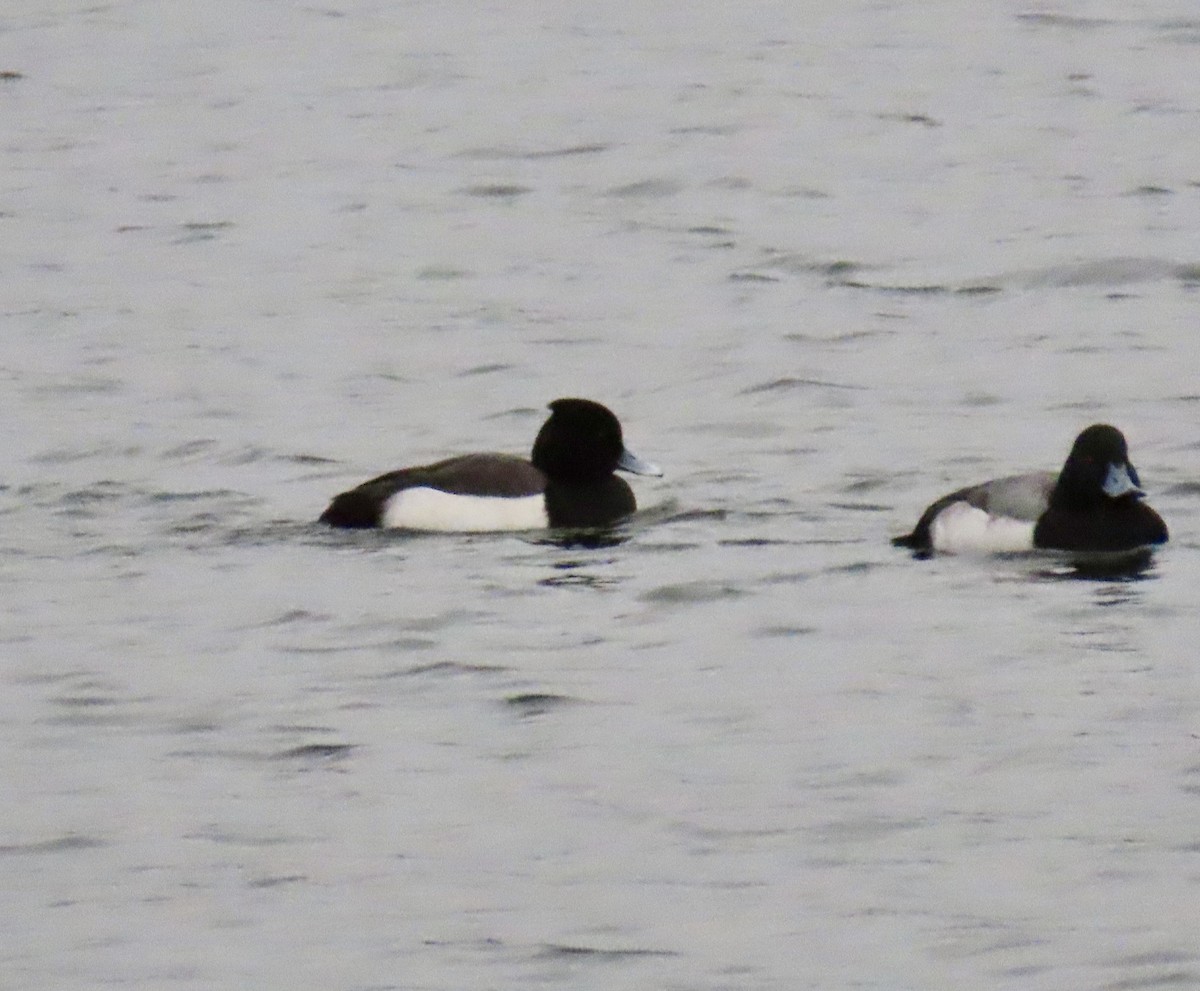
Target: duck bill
1121 480
631 463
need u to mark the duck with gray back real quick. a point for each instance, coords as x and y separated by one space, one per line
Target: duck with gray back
1095 504
568 481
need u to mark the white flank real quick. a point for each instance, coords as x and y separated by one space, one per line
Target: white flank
961 528
432 509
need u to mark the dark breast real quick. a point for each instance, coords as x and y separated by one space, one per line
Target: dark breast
597 504
1115 525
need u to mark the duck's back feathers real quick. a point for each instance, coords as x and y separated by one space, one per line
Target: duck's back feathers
497 475
1018 498
500 476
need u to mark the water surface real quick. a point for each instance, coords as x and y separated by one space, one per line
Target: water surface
825 263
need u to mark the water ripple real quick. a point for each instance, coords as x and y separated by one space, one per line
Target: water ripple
62 844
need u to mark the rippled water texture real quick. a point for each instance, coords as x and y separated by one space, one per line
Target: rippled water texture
826 262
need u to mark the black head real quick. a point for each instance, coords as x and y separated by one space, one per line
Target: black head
580 443
1097 504
1097 470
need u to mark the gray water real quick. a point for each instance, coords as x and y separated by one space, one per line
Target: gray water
826 262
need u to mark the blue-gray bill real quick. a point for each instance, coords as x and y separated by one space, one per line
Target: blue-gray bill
631 463
1121 480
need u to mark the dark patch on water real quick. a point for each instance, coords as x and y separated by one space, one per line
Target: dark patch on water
447 620
670 546
1189 275
575 951
443 273
124 551
710 130
529 704
300 728
914 118
206 495
897 290
1153 959
223 837
790 384
485 370
497 190
577 579
92 710
403 644
846 337
646 189
106 491
291 616
752 277
192 726
853 568
202 230
50 678
1131 566
572 564
807 193
517 412
503 154
698 516
582 340
83 385
317 752
982 399
248 455
569 152
837 269
444 668
1100 272
588 538
1063 21
207 225
306 459
278 881
188 449
784 508
62 844
1187 979
867 483
785 631
86 701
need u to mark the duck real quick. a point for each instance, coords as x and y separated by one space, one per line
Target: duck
568 481
1094 504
